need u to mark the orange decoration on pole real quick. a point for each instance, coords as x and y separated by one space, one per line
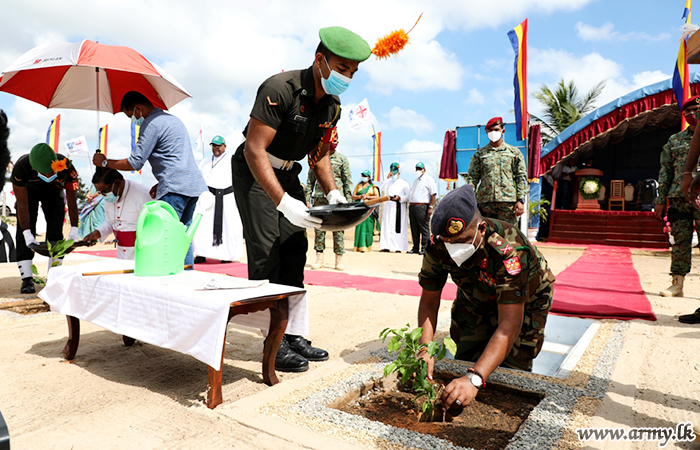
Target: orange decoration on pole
393 42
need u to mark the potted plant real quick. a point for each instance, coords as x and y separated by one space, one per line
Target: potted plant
536 209
410 365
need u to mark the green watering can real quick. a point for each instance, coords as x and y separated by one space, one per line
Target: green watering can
162 240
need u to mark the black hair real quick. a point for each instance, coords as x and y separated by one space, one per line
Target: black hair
324 51
106 176
133 98
4 150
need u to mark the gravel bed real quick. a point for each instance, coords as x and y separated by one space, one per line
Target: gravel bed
542 429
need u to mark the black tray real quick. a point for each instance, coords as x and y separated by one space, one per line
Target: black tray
341 216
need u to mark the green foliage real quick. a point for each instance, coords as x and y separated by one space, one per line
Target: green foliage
408 363
563 107
82 193
37 279
58 250
538 208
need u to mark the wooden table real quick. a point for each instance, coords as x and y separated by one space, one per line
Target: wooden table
278 306
168 313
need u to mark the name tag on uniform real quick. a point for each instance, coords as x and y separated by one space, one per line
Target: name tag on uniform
299 118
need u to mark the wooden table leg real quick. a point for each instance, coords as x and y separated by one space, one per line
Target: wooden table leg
279 315
73 338
128 341
214 395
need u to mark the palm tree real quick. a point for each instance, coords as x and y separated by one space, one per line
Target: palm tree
563 107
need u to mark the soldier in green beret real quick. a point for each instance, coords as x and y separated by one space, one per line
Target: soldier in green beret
503 298
292 118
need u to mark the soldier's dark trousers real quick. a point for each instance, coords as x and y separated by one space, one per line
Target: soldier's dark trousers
420 226
276 249
682 231
54 211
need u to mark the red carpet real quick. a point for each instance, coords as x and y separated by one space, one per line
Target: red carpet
602 284
322 278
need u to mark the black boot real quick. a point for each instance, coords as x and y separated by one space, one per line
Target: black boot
304 348
27 286
690 318
289 361
199 259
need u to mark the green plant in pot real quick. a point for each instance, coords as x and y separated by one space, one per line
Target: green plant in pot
410 365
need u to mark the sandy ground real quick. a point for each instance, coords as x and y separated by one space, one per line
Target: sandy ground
113 397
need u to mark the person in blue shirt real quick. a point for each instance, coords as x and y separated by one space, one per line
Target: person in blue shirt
165 144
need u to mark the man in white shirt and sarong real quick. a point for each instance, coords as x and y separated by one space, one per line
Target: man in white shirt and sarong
123 201
394 235
420 208
220 233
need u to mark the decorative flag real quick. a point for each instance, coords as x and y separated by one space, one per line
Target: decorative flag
103 140
53 133
77 146
681 74
448 163
199 146
360 116
377 159
134 137
518 38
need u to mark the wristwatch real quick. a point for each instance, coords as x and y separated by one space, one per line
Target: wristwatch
104 163
476 379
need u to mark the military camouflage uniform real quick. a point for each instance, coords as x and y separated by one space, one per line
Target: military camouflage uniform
680 212
501 177
507 268
343 181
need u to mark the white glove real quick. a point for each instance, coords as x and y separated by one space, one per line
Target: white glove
296 212
74 234
29 237
335 197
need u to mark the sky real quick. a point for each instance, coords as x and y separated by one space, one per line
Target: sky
456 71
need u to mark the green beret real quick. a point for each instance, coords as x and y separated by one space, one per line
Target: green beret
344 43
41 157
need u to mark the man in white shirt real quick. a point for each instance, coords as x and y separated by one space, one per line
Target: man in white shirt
220 233
123 203
394 235
421 203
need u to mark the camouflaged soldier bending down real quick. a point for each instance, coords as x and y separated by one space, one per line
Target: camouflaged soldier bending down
504 292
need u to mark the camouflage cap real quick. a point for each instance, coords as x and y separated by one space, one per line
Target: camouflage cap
344 43
454 212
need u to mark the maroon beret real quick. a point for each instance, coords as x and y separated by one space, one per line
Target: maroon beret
690 102
494 121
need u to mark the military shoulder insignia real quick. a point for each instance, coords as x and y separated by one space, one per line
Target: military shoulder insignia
506 249
484 263
455 226
512 265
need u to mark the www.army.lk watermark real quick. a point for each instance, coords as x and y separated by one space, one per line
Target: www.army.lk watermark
683 432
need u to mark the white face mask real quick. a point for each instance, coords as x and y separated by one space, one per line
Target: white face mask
395 176
419 173
462 252
494 136
365 179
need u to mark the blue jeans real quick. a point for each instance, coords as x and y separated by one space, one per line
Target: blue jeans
184 207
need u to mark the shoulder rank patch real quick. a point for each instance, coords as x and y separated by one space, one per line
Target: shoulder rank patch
486 278
271 102
512 265
455 226
507 249
484 263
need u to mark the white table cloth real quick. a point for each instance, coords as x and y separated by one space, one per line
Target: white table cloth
164 311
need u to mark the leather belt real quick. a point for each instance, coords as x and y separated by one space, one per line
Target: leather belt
280 164
418 204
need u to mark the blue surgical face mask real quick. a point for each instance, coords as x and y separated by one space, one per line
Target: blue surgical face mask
110 197
336 83
47 179
395 176
136 121
365 179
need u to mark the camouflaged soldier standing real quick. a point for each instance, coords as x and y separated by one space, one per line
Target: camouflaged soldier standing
504 291
343 180
681 213
498 174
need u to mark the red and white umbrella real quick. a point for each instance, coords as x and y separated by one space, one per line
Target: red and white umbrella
90 76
